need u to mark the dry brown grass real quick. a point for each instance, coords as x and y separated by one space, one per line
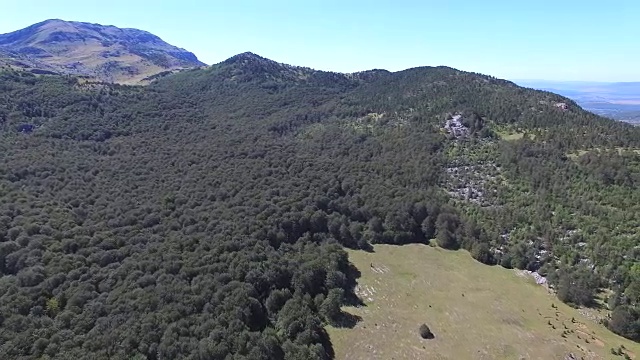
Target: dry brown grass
475 311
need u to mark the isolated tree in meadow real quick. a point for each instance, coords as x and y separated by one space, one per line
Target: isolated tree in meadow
425 332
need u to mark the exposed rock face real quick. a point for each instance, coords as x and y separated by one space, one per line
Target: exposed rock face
455 127
106 53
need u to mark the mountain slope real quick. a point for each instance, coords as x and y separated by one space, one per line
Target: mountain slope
106 53
619 101
206 215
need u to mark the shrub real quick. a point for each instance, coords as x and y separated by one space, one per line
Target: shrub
425 332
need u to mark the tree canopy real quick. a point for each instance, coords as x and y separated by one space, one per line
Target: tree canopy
205 216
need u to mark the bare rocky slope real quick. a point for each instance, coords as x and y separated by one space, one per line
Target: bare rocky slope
105 53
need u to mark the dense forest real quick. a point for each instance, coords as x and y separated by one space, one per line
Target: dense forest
205 216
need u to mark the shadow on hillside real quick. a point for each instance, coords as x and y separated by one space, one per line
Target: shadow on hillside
368 248
327 345
351 298
598 303
347 320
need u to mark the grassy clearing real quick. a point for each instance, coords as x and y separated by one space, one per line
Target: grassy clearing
621 150
511 136
475 311
509 133
577 154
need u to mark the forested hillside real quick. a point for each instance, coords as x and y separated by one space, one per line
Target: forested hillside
205 216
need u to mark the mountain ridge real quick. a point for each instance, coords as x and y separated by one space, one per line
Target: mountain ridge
104 52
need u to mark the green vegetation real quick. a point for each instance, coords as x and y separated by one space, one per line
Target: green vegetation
509 132
474 311
206 215
512 136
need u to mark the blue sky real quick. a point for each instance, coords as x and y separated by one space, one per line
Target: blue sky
539 39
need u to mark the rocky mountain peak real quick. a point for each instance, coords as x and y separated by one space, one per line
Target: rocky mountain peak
106 53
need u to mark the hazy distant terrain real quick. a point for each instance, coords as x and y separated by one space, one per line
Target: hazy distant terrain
619 101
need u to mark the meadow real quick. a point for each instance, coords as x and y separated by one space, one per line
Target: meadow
475 311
